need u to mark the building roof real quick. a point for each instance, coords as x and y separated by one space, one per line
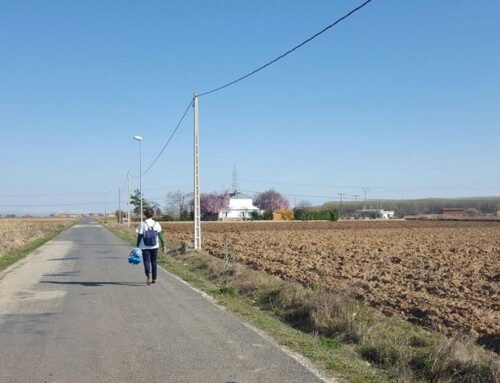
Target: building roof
239 195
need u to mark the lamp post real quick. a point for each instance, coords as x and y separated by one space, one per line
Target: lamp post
105 203
139 138
128 199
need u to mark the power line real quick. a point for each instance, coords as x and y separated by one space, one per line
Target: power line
56 204
250 74
380 188
171 136
287 52
124 184
49 195
169 139
297 184
295 195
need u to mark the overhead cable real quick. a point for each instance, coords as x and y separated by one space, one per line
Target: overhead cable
55 204
296 195
382 188
287 52
48 195
125 183
252 73
169 139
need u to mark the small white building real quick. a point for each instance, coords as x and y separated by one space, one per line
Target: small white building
373 214
385 214
240 207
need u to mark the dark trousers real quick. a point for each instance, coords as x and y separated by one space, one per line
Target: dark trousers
149 257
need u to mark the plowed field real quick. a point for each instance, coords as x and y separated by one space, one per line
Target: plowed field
445 275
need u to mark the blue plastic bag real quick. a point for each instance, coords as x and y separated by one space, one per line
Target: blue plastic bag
135 256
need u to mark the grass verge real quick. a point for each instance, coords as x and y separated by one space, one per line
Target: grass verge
355 341
18 254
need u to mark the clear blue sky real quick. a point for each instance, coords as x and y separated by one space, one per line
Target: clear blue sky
402 98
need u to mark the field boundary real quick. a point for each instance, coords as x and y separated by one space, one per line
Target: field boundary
16 255
372 348
343 363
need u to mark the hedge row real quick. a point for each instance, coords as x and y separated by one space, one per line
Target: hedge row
316 215
266 216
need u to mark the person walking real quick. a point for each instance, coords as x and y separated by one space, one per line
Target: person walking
148 233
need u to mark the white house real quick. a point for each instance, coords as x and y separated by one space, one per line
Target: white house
240 207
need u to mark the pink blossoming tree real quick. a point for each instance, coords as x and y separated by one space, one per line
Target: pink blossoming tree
211 204
271 200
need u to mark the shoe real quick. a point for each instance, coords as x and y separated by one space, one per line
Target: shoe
148 281
154 281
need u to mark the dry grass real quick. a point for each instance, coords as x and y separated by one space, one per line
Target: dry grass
293 304
495 369
455 359
428 358
338 317
251 283
405 352
18 232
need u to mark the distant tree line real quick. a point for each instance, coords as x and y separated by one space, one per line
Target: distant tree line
179 206
481 205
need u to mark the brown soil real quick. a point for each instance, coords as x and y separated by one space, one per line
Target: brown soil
444 275
17 232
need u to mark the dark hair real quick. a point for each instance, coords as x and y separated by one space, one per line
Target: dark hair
148 212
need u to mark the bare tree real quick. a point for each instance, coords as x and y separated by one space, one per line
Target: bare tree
156 208
178 202
304 204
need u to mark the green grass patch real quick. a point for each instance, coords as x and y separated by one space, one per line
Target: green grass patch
227 290
332 343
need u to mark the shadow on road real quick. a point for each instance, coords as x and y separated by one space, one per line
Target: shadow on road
63 274
85 244
95 284
73 258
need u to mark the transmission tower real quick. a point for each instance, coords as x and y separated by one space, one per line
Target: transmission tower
341 194
235 185
364 191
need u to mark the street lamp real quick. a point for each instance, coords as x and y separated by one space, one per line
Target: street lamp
105 203
139 138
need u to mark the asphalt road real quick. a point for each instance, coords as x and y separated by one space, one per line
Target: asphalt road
75 311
